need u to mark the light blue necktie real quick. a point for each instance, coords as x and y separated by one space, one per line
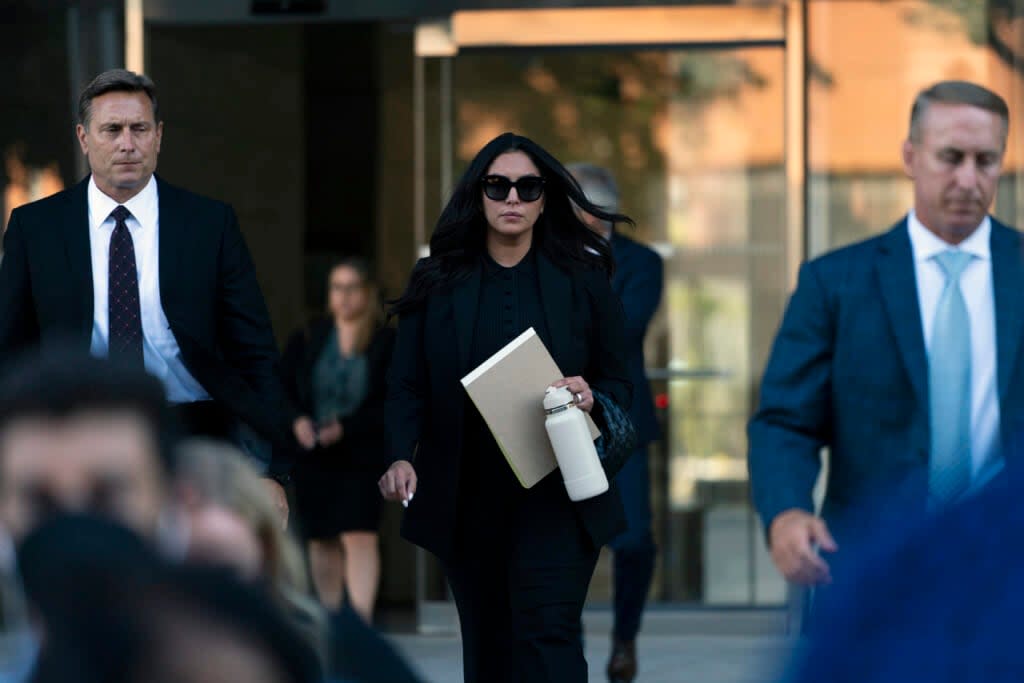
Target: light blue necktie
949 386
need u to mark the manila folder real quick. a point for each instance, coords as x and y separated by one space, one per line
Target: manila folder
508 390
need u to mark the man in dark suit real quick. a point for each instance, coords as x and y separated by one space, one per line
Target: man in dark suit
150 275
900 354
638 283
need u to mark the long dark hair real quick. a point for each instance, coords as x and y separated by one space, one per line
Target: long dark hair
459 238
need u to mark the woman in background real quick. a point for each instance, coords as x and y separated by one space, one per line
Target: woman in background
334 371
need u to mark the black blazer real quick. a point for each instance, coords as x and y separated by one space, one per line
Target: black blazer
424 408
363 441
208 290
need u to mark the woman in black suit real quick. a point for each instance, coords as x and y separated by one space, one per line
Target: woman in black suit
334 371
508 253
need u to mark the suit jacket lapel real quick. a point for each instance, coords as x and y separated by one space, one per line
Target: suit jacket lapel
465 299
898 280
172 237
1007 289
556 298
79 253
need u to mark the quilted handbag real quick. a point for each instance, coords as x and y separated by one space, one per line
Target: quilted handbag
618 434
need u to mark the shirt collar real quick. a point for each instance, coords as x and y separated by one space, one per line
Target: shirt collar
101 205
495 269
926 244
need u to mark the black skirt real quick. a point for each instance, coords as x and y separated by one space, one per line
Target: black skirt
334 495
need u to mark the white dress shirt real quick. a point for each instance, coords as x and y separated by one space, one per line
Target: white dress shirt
976 287
159 347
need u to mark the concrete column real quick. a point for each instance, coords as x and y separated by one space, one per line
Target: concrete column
95 43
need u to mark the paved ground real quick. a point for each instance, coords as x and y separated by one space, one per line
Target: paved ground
663 658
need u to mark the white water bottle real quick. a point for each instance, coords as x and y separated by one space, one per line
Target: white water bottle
574 448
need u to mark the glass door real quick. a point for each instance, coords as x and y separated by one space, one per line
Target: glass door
700 135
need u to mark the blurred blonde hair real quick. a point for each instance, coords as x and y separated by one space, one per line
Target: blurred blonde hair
220 475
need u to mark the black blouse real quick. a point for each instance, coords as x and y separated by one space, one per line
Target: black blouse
509 304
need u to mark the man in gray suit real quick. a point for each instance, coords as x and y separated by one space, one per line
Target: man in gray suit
900 353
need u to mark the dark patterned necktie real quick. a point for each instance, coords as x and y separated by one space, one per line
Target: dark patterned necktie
125 322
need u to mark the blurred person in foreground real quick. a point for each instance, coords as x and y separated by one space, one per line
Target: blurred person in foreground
937 601
117 612
508 253
82 434
130 267
901 354
231 524
638 283
335 372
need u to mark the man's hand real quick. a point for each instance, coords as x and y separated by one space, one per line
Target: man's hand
399 482
794 537
330 433
305 432
280 500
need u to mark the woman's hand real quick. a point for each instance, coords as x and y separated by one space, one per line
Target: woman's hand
330 433
305 432
581 392
399 482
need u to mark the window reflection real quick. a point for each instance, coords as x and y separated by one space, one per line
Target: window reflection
861 88
26 183
696 141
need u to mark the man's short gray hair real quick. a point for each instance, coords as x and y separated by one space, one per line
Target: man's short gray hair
957 92
116 80
598 184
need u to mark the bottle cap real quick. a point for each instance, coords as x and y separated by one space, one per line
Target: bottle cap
557 399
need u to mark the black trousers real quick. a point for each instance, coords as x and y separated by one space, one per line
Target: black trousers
519 579
635 552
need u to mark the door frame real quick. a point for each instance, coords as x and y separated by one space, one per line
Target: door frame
782 24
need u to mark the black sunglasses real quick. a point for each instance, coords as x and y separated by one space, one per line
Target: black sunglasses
529 188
